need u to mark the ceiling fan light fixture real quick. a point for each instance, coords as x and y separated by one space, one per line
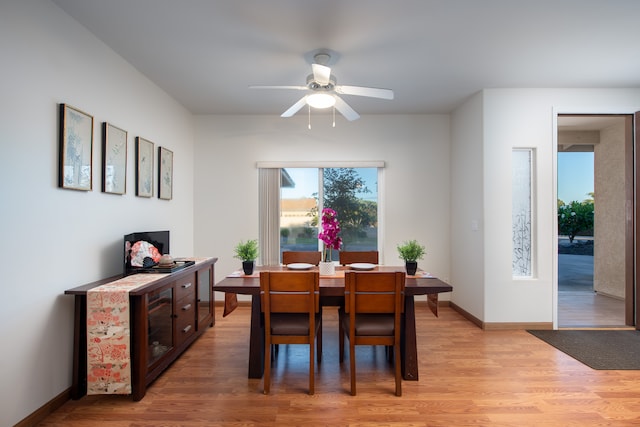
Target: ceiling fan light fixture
321 100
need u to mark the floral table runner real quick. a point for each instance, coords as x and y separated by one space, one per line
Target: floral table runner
108 335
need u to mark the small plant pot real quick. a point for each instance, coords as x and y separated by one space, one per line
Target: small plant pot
412 267
247 267
327 268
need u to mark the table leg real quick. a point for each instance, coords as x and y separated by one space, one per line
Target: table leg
256 340
408 345
79 374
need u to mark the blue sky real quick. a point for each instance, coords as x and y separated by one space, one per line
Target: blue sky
575 176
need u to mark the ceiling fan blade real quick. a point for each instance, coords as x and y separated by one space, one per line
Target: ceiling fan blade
278 87
321 74
372 92
346 110
295 107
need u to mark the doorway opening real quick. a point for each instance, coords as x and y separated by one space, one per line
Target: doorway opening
595 245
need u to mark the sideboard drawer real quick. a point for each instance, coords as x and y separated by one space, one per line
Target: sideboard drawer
186 286
186 319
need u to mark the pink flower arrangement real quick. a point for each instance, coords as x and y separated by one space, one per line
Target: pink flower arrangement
329 233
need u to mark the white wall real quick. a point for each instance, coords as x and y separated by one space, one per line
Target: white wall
526 118
467 207
416 187
55 239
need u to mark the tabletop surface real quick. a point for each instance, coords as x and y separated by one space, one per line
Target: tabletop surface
420 284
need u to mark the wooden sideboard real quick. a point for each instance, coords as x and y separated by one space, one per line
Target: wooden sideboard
167 314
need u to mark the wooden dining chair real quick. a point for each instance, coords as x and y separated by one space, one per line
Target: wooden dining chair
374 302
350 257
291 307
310 257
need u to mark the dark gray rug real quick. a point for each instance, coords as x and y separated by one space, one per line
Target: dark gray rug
598 349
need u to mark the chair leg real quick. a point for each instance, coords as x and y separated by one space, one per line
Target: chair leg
319 342
311 369
267 368
340 337
396 349
352 365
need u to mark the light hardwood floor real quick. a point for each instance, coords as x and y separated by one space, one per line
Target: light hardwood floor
468 377
589 310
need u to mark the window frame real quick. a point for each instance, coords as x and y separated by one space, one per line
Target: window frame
269 234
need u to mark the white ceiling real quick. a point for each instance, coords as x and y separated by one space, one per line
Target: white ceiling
432 53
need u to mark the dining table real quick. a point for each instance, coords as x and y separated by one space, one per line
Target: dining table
332 294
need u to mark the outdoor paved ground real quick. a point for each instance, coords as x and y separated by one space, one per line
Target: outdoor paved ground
575 273
575 264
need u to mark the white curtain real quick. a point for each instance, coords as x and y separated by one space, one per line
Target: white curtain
269 209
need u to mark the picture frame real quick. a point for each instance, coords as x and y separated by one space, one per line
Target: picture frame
144 167
165 173
75 151
114 159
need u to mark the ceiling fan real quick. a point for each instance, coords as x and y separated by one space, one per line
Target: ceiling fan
322 90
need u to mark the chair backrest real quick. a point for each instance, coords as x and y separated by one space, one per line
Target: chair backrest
374 292
373 302
290 292
291 307
310 257
350 257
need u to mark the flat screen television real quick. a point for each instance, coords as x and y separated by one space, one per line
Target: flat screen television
143 250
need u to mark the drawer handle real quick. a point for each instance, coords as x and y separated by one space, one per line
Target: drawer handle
186 307
186 285
187 328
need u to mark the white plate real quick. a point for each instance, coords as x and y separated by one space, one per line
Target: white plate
299 266
362 266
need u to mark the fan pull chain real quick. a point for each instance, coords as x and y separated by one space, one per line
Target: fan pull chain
309 109
334 116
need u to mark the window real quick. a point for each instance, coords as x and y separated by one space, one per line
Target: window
522 195
304 192
352 192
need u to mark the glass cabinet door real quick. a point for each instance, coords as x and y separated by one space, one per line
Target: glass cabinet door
205 294
160 323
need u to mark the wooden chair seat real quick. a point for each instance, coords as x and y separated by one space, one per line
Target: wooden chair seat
372 324
292 323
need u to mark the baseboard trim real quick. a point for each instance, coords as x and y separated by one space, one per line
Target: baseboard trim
470 317
500 326
45 410
503 326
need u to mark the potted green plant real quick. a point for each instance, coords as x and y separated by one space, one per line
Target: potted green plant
247 252
411 252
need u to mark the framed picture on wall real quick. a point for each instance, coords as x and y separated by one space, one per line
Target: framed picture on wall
114 159
75 161
165 173
144 167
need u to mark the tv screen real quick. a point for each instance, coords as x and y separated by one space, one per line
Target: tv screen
144 249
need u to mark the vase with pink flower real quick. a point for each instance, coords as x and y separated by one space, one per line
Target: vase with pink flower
329 235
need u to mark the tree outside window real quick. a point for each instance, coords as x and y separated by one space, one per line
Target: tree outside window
575 218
